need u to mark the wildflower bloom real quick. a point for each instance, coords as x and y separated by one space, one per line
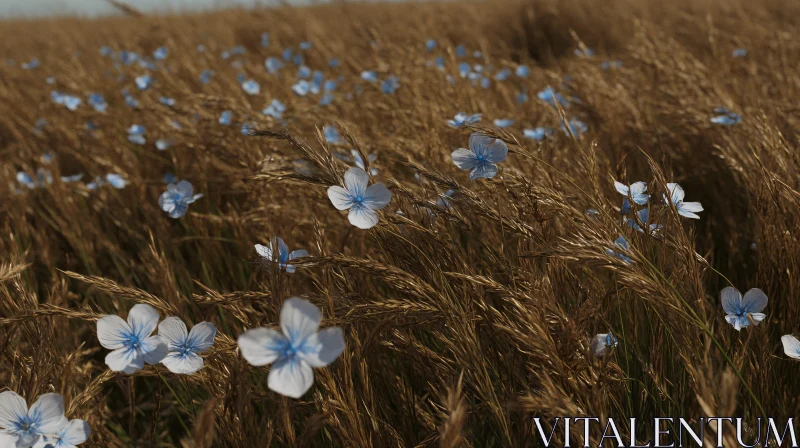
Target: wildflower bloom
73 432
482 157
295 350
251 87
738 309
225 117
273 64
576 127
143 82
686 209
390 85
360 162
739 52
284 256
620 243
331 135
606 65
362 200
551 97
725 117
116 181
461 119
177 198
503 123
25 427
537 134
791 346
275 109
185 346
601 342
644 216
130 341
636 191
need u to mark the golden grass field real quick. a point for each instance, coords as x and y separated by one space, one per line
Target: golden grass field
462 322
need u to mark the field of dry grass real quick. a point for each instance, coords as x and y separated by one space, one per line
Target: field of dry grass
471 306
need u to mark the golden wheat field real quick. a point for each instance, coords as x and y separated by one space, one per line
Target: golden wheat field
491 292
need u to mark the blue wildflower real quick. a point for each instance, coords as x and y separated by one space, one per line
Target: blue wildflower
175 201
360 198
185 346
461 119
283 256
738 309
130 341
482 157
537 134
687 209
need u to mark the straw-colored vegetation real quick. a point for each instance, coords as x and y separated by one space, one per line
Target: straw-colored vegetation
461 322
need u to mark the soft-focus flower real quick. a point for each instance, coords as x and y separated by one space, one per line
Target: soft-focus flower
739 52
73 178
602 342
273 64
143 82
303 72
362 200
738 309
162 144
283 257
369 75
791 346
503 122
136 134
184 347
636 191
584 52
177 198
360 162
251 87
523 71
225 117
275 109
130 341
25 427
205 76
116 181
576 127
482 157
461 51
73 432
537 134
461 119
687 209
430 45
331 134
606 65
390 85
620 243
296 350
726 117
161 53
97 102
167 101
550 96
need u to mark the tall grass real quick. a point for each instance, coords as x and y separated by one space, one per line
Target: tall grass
462 322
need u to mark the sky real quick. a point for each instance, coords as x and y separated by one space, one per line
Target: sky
93 8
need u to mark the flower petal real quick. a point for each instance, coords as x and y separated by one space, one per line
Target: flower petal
173 330
479 143
299 319
485 170
754 301
185 189
261 346
356 180
621 188
757 317
48 411
76 432
143 319
298 253
731 300
112 331
13 408
363 217
691 206
201 338
154 349
377 196
464 159
675 192
497 151
183 364
264 251
322 348
291 377
340 198
791 346
283 249
125 360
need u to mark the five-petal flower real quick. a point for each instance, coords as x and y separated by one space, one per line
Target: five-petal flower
482 157
184 347
27 426
295 350
360 198
177 198
738 309
130 341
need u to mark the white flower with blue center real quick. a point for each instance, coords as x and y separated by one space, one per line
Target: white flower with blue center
738 309
482 157
283 256
130 341
23 427
185 346
360 198
73 432
687 209
791 346
177 198
636 191
601 343
295 350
